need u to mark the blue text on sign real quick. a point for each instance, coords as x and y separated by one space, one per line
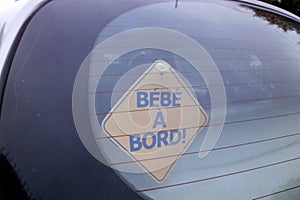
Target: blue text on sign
158 99
161 139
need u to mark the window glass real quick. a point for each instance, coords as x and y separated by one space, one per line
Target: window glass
256 53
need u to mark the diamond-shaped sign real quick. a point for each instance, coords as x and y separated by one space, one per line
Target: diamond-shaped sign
156 119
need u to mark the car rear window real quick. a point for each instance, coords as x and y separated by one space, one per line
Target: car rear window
256 53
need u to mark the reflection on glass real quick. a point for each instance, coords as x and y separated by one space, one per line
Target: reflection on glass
279 21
